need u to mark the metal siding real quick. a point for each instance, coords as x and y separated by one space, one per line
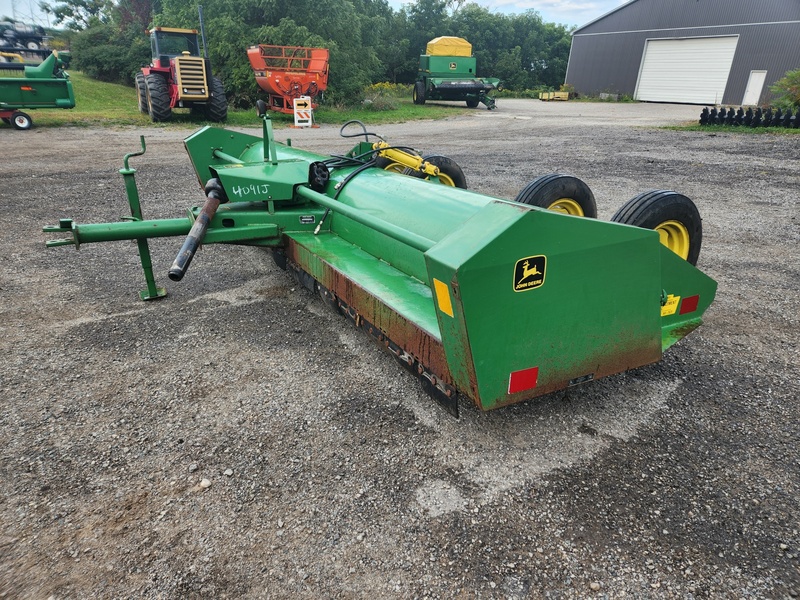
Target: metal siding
773 48
610 63
605 64
677 14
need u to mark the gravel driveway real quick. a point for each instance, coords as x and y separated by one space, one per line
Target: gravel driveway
236 439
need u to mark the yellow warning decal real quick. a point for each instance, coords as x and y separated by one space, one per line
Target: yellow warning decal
443 297
671 306
529 273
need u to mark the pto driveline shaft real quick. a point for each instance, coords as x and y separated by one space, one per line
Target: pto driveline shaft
195 237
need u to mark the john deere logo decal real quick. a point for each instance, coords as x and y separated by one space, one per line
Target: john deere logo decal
453 66
529 273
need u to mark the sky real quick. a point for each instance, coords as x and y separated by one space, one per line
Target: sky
566 12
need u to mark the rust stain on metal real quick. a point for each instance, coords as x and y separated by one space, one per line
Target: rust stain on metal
412 346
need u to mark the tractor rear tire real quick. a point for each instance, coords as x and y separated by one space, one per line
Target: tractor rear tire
449 171
217 106
141 91
158 98
418 95
560 193
21 120
674 216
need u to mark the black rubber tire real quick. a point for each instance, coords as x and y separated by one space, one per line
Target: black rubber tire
141 92
158 98
447 166
546 190
418 95
217 106
473 103
21 120
650 209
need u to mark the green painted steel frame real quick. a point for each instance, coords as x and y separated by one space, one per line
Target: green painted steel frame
444 275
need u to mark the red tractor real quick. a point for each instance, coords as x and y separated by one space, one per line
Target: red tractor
179 77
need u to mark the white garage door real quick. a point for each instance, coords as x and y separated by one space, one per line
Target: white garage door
690 70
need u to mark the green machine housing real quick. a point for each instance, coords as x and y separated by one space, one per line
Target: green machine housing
448 71
45 85
488 298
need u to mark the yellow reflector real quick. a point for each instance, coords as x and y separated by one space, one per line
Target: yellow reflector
443 297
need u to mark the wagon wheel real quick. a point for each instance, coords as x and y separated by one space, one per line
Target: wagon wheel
674 216
418 94
20 120
389 165
560 193
449 171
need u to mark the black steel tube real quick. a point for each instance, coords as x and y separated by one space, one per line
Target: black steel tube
195 237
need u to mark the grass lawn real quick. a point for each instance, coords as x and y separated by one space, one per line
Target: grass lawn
109 104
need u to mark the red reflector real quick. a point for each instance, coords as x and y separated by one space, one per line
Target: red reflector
519 381
689 304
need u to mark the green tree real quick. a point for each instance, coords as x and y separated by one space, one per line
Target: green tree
787 91
368 40
489 33
107 53
508 68
78 14
427 19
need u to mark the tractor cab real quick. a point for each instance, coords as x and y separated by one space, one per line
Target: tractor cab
168 42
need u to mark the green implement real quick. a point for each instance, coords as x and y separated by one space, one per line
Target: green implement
46 85
448 71
495 300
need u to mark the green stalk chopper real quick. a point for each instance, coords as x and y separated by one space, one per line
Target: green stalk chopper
498 301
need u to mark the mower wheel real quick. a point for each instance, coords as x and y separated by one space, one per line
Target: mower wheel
560 193
217 106
141 90
20 120
449 171
674 216
158 98
418 95
389 165
473 103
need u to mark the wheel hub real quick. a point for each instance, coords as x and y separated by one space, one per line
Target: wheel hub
674 236
566 206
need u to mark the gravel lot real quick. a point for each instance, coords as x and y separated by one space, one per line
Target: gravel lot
331 474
